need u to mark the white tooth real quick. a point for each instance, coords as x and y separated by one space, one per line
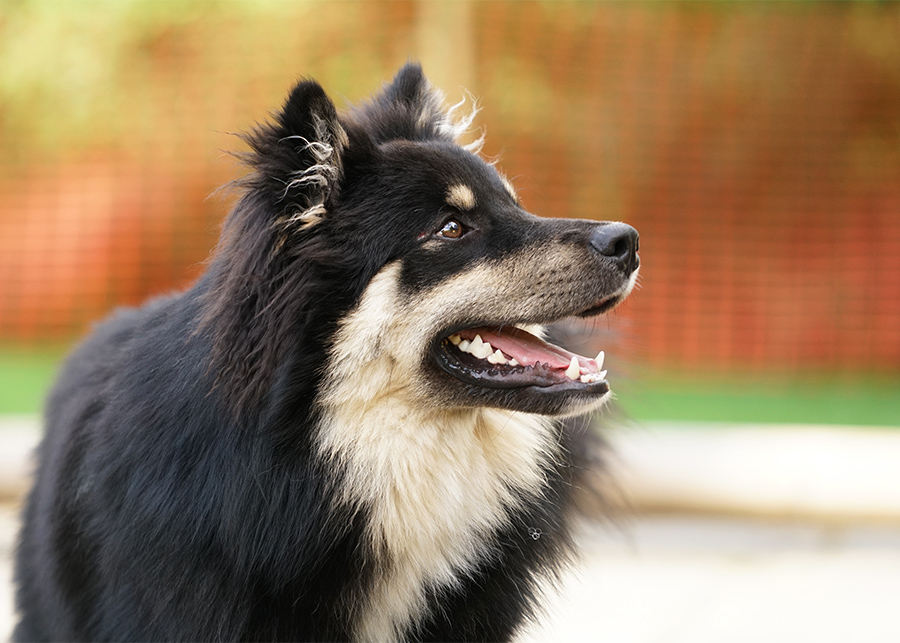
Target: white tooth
593 378
482 351
599 359
476 346
465 346
497 357
513 362
574 370
455 339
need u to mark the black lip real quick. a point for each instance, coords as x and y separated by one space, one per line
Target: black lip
603 306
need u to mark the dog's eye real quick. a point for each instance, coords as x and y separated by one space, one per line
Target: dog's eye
452 229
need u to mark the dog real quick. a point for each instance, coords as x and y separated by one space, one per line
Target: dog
349 428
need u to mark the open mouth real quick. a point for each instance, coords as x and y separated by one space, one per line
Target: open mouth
509 357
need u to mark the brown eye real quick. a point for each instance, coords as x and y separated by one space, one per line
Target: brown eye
452 230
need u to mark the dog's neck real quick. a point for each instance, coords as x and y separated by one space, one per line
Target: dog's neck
433 483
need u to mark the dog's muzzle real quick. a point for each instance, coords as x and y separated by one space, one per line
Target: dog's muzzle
503 364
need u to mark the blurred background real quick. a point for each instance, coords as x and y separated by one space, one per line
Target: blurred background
756 147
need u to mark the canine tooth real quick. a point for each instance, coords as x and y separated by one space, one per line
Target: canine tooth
574 370
455 339
513 362
602 375
599 359
497 357
465 346
480 348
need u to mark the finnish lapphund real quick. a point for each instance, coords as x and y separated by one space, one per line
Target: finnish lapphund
349 427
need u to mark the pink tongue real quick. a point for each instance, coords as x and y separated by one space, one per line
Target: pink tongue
526 348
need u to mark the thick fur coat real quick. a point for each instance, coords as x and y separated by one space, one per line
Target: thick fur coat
345 429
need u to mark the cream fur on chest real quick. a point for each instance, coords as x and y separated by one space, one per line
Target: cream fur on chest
434 482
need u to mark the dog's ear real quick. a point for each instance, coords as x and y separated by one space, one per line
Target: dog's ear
298 157
411 89
410 108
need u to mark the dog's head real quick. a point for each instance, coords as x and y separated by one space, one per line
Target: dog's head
441 279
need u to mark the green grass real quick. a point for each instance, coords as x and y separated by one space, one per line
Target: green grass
26 375
808 399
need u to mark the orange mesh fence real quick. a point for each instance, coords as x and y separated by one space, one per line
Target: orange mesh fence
755 147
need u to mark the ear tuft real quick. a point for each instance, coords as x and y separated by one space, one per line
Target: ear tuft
409 87
298 157
410 108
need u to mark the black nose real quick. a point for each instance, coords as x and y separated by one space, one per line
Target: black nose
618 242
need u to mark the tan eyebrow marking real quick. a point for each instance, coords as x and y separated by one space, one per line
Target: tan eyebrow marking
461 197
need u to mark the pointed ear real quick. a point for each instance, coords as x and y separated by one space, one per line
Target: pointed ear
409 88
411 108
298 158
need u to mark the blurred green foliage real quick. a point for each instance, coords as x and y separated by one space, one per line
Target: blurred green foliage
89 74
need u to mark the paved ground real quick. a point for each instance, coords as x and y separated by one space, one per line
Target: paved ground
814 555
836 474
702 580
692 579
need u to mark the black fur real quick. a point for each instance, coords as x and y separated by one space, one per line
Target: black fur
178 493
